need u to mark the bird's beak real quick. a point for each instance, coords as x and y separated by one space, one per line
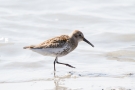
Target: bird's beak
88 42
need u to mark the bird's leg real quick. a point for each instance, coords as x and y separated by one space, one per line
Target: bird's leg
54 63
64 64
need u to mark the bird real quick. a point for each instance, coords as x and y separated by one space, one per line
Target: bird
59 46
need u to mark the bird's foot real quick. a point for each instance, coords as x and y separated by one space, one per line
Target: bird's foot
69 65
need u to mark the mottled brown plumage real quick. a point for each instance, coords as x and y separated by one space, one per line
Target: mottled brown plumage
56 42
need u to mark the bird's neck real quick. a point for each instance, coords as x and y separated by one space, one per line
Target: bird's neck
74 42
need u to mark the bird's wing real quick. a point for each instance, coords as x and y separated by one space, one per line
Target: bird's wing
56 42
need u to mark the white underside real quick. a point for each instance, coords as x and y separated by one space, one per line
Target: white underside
52 51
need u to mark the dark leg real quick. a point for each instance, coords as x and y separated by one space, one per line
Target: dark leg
56 60
54 63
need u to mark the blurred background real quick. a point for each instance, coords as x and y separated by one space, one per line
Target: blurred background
109 25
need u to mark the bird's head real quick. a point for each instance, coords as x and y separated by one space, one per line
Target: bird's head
78 35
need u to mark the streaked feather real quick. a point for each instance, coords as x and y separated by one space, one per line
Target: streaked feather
56 42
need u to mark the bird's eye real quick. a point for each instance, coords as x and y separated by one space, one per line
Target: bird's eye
79 34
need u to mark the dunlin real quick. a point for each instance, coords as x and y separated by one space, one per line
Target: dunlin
59 46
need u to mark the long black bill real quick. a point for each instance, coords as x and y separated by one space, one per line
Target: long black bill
88 42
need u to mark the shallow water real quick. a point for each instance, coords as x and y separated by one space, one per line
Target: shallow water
109 25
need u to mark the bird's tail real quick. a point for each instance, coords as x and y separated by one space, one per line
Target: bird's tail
28 47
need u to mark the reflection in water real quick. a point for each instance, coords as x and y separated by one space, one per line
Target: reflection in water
59 80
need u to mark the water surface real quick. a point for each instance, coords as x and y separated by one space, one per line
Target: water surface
109 25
